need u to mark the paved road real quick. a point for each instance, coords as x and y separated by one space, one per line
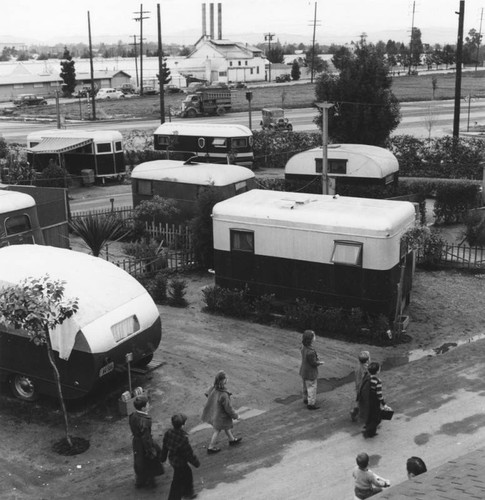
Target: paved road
418 118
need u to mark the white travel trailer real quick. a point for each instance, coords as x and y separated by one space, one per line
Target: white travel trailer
116 317
210 142
19 223
78 150
350 166
183 182
332 250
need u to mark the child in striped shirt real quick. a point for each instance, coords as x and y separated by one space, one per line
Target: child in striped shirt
376 401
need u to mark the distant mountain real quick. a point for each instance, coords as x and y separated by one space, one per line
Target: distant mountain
431 35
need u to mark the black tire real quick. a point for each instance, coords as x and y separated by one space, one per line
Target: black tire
191 113
144 361
221 111
23 387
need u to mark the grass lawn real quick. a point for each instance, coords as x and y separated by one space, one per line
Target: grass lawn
406 88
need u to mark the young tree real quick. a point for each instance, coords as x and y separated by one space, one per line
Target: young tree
38 305
275 54
68 73
366 110
166 76
295 70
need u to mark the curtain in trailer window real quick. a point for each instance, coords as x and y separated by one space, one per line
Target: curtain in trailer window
242 241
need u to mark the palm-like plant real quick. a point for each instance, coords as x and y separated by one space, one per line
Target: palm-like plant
96 232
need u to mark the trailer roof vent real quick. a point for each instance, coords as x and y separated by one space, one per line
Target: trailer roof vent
291 204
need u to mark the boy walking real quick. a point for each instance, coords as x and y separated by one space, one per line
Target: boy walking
180 454
309 369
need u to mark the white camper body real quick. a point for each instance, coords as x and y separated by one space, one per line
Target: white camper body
333 250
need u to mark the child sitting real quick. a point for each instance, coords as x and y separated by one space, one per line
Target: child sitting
367 483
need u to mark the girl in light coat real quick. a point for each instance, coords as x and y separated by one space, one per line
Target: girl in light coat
219 412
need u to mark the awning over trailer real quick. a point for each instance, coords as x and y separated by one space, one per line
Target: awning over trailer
59 144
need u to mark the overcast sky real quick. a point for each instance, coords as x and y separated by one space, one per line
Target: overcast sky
58 20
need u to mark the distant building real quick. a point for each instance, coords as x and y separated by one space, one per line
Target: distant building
225 61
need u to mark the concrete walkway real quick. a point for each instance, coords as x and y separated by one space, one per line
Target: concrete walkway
292 453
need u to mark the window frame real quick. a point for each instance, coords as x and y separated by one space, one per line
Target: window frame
356 261
234 233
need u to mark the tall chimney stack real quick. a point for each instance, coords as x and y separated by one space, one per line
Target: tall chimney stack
211 10
204 21
219 21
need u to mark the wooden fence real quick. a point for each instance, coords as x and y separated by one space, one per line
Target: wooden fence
454 256
123 213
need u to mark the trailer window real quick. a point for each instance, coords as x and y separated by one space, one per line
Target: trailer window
17 224
334 166
219 142
125 328
239 142
145 187
103 147
118 146
241 187
162 140
347 253
242 241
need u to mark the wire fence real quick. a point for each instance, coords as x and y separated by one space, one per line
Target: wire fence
452 256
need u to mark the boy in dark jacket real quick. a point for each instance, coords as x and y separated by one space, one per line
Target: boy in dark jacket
177 447
309 369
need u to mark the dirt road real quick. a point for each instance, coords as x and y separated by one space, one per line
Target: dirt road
284 444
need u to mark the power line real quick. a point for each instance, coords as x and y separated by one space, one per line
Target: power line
269 37
140 20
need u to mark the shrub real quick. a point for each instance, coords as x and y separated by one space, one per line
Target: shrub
454 200
156 210
54 176
263 307
177 288
234 303
475 228
157 287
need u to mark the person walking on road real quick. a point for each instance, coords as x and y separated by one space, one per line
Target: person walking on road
309 369
360 372
146 452
376 400
180 454
366 482
218 412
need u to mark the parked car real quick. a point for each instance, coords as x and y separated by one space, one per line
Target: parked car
274 119
149 90
238 85
29 100
127 88
172 89
283 78
109 93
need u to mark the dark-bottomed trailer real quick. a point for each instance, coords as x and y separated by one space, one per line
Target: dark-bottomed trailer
116 318
334 251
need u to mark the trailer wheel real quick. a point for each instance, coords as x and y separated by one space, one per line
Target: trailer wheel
23 388
221 111
191 113
144 361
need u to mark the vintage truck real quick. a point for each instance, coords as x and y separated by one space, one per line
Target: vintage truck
206 101
274 119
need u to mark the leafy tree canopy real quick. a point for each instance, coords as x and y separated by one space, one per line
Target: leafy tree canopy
68 73
366 111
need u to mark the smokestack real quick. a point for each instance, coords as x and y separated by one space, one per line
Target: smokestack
204 22
219 21
211 11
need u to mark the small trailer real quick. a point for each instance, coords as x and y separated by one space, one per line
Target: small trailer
331 250
215 143
99 152
19 222
116 318
184 182
350 166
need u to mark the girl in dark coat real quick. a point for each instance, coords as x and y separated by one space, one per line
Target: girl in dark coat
219 412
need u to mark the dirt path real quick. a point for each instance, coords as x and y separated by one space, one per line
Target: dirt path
262 363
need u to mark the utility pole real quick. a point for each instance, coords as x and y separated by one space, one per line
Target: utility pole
324 107
93 102
268 37
140 19
313 43
459 58
411 41
478 41
161 75
136 59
